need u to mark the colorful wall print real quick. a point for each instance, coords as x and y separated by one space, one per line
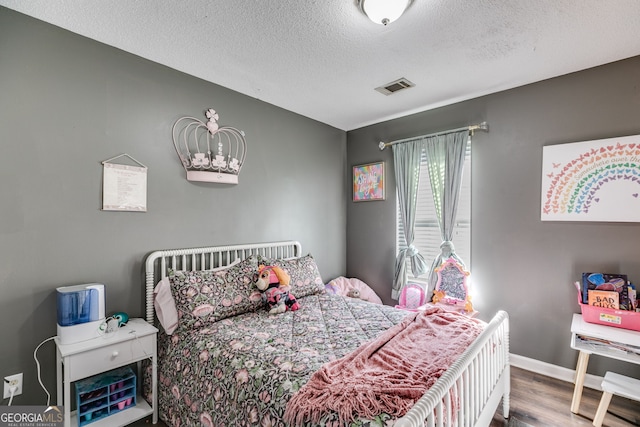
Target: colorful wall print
368 182
592 181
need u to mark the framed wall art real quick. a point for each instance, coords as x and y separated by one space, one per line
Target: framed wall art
592 181
368 182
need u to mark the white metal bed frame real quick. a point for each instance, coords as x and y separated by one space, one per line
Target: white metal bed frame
466 395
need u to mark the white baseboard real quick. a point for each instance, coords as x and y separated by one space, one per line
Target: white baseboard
553 371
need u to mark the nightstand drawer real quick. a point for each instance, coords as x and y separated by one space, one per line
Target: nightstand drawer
90 362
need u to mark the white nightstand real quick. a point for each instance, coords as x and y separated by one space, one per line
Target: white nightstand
131 343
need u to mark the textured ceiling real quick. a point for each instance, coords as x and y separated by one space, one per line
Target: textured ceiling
323 58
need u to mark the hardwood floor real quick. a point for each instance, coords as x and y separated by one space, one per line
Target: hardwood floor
541 401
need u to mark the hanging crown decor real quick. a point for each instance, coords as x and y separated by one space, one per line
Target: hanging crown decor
209 152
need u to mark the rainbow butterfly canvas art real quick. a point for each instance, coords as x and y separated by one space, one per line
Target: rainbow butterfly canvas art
592 181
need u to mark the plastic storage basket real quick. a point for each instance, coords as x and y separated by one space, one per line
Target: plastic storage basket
624 319
102 395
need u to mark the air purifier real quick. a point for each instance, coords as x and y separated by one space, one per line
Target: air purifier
81 311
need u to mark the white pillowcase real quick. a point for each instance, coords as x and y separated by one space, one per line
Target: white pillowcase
165 306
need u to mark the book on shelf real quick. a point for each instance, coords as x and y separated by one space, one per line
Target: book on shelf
597 343
605 299
606 282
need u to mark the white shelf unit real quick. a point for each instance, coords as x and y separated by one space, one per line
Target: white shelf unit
608 333
122 418
132 343
612 334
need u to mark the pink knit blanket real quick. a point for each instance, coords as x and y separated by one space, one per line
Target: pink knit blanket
388 374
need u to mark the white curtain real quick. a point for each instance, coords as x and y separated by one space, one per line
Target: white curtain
406 160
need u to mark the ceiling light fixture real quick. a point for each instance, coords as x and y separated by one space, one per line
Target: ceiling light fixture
383 12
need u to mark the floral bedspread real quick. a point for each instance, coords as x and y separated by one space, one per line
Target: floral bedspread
242 370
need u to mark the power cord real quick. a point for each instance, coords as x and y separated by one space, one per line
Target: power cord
12 391
35 357
135 335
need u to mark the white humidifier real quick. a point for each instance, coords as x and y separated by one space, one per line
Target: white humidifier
80 312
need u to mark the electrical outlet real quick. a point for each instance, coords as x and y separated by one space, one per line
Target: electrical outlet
12 381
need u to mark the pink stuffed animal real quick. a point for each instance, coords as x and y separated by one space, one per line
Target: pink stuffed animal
273 282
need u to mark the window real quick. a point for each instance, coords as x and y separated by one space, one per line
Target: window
427 233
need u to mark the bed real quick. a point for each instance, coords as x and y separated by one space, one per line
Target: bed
228 367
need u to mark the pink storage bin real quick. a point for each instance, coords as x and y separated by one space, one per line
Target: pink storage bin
624 319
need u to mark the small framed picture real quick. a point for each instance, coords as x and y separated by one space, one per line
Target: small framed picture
368 182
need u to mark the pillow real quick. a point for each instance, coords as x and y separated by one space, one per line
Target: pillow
165 305
305 277
342 285
204 297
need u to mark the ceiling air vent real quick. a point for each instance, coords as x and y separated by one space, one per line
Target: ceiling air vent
395 86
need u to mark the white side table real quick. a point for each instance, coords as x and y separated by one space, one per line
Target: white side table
590 330
131 343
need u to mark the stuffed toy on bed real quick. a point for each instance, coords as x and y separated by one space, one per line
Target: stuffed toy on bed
273 282
353 293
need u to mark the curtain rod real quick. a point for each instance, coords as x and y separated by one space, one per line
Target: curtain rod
480 126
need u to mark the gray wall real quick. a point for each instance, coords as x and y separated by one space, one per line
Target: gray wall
66 104
519 263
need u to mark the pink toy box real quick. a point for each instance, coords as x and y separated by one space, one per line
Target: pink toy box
624 319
